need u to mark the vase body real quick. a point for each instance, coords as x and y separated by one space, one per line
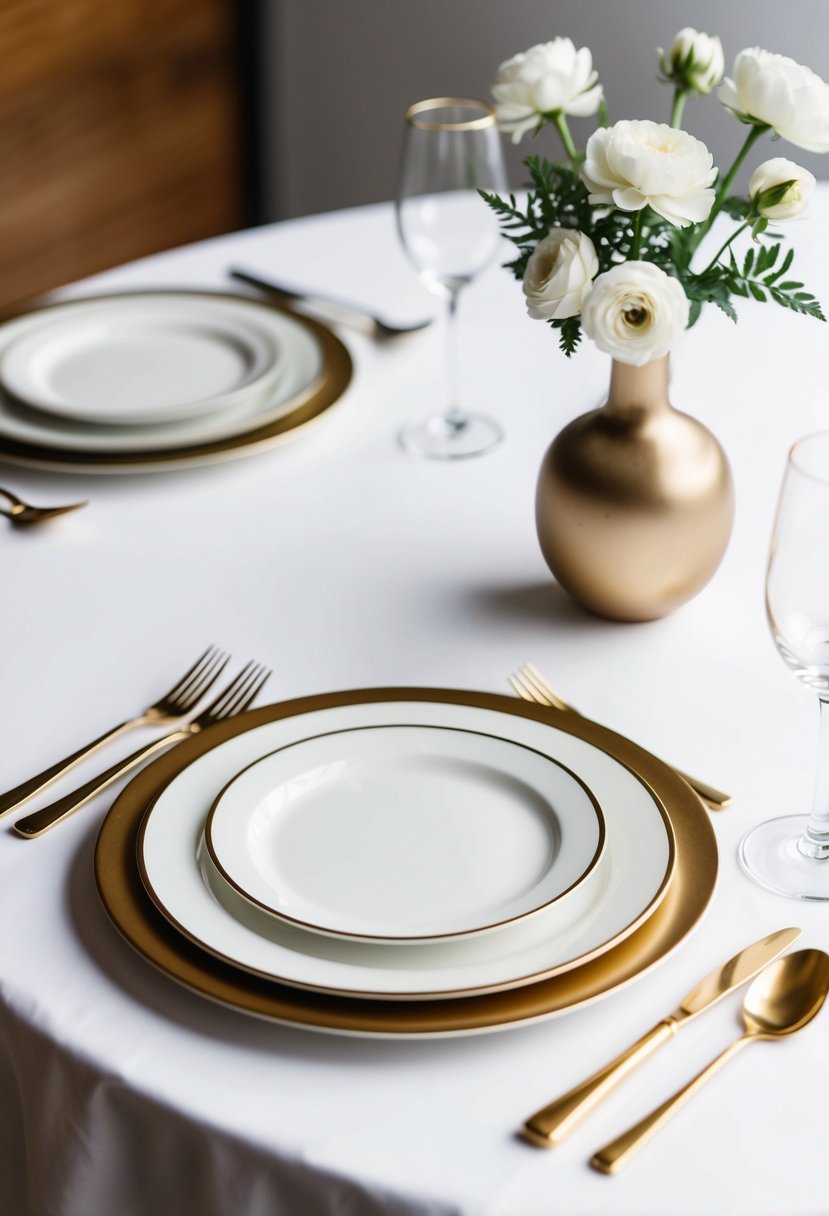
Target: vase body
635 501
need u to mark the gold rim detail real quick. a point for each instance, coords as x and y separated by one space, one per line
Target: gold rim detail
414 114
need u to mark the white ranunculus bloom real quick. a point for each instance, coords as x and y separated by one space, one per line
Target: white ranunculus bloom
776 90
695 60
634 312
559 273
765 188
635 164
552 76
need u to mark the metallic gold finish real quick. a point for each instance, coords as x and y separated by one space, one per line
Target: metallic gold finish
549 1126
351 314
531 685
23 513
181 698
133 913
239 694
782 1000
310 405
413 115
635 501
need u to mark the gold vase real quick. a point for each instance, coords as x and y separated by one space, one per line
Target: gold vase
635 501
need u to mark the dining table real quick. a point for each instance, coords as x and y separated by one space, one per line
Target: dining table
343 562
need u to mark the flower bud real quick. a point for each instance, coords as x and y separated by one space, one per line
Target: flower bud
695 61
780 189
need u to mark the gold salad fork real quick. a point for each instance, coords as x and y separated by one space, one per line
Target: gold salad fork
180 700
238 695
529 683
23 513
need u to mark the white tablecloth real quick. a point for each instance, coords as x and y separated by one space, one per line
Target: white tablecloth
342 562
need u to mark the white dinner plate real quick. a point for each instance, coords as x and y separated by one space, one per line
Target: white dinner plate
132 361
636 870
300 366
405 833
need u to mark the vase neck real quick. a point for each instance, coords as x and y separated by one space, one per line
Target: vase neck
636 391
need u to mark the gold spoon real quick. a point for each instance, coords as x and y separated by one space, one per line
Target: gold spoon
785 996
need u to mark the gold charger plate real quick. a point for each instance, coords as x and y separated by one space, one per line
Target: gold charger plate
143 926
310 404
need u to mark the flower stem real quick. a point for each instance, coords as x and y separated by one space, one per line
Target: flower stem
680 97
560 123
725 245
636 243
725 185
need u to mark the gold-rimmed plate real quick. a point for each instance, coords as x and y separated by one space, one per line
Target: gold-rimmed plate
302 396
146 929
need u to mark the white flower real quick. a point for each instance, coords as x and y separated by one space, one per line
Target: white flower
695 61
776 90
766 188
559 274
552 76
635 164
634 312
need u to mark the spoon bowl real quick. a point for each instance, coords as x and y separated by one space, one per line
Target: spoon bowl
787 994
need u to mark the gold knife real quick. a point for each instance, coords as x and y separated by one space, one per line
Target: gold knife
547 1127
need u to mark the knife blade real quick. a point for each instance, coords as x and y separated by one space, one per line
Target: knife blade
548 1126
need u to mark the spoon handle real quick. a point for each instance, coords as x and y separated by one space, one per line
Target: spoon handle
615 1154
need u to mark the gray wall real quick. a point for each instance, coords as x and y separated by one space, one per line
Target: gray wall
341 73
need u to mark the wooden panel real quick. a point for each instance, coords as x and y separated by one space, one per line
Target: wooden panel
119 134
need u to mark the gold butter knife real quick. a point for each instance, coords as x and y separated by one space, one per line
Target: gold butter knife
547 1127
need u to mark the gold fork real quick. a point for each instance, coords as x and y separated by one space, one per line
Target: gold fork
182 697
22 513
530 684
238 695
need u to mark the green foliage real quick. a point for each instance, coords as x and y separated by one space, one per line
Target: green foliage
557 198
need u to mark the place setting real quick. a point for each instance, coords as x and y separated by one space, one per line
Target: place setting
148 380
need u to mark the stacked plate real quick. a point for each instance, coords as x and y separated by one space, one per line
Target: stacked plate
406 862
155 379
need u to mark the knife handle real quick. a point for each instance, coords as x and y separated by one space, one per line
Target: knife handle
547 1127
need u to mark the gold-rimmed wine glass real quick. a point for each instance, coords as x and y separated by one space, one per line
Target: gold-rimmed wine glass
451 150
790 854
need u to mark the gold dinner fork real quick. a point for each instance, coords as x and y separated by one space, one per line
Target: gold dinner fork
23 513
180 700
530 684
238 695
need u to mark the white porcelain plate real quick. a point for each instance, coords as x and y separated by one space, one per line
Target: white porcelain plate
279 356
404 833
634 872
131 361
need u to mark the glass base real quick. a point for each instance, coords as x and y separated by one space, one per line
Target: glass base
770 855
441 438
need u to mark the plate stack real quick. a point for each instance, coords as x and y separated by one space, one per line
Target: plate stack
160 379
406 862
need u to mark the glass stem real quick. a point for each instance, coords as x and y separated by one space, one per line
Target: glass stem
815 840
454 417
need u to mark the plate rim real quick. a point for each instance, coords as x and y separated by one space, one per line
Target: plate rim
140 924
311 405
425 938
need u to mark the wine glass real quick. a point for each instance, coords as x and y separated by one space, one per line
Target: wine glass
451 150
790 854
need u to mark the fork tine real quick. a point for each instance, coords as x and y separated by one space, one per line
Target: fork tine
181 685
524 689
217 705
249 696
241 692
536 679
200 684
